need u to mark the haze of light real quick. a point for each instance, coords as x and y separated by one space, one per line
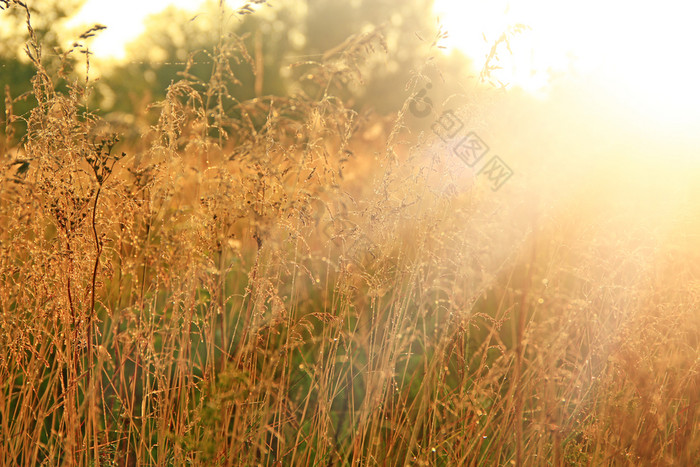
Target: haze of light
639 53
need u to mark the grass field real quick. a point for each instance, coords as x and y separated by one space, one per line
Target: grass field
294 286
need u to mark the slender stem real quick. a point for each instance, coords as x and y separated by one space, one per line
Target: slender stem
91 380
98 253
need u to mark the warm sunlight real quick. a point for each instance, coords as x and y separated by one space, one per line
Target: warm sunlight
635 51
349 232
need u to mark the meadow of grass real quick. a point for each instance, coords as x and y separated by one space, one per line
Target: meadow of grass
259 283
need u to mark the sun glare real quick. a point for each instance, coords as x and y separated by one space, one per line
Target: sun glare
636 52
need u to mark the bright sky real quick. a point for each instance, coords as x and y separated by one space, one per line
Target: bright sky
642 53
125 20
639 52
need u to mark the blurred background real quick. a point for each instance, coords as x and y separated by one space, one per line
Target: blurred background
610 77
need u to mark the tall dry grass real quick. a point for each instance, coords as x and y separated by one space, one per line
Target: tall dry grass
254 283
